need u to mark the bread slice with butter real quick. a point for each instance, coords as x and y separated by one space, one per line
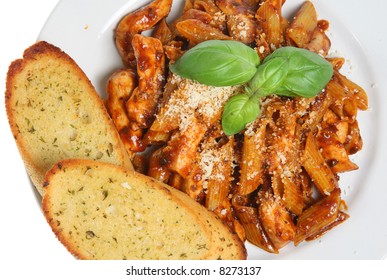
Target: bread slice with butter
103 211
55 113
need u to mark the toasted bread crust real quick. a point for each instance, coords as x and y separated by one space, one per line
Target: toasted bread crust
46 63
190 232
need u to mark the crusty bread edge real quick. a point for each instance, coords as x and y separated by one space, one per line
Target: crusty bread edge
46 201
177 195
192 205
17 66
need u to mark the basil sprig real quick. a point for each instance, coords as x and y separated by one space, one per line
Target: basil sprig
304 73
239 111
288 71
218 63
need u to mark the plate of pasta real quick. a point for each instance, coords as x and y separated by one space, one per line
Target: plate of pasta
292 182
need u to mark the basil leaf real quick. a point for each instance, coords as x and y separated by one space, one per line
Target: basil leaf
269 76
239 111
218 63
307 73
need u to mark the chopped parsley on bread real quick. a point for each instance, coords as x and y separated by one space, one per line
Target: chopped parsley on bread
103 211
55 113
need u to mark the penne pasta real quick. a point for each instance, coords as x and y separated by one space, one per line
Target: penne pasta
355 90
344 104
216 166
303 25
195 31
249 219
293 196
194 14
318 217
319 171
253 155
269 19
276 221
341 217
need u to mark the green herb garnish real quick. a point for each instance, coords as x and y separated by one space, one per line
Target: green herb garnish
218 63
304 73
288 71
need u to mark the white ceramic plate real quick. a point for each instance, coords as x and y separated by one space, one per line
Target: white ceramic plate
84 29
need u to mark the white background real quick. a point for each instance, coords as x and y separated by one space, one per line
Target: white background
27 245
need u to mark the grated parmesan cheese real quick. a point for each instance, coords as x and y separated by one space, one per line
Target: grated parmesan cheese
212 162
192 100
